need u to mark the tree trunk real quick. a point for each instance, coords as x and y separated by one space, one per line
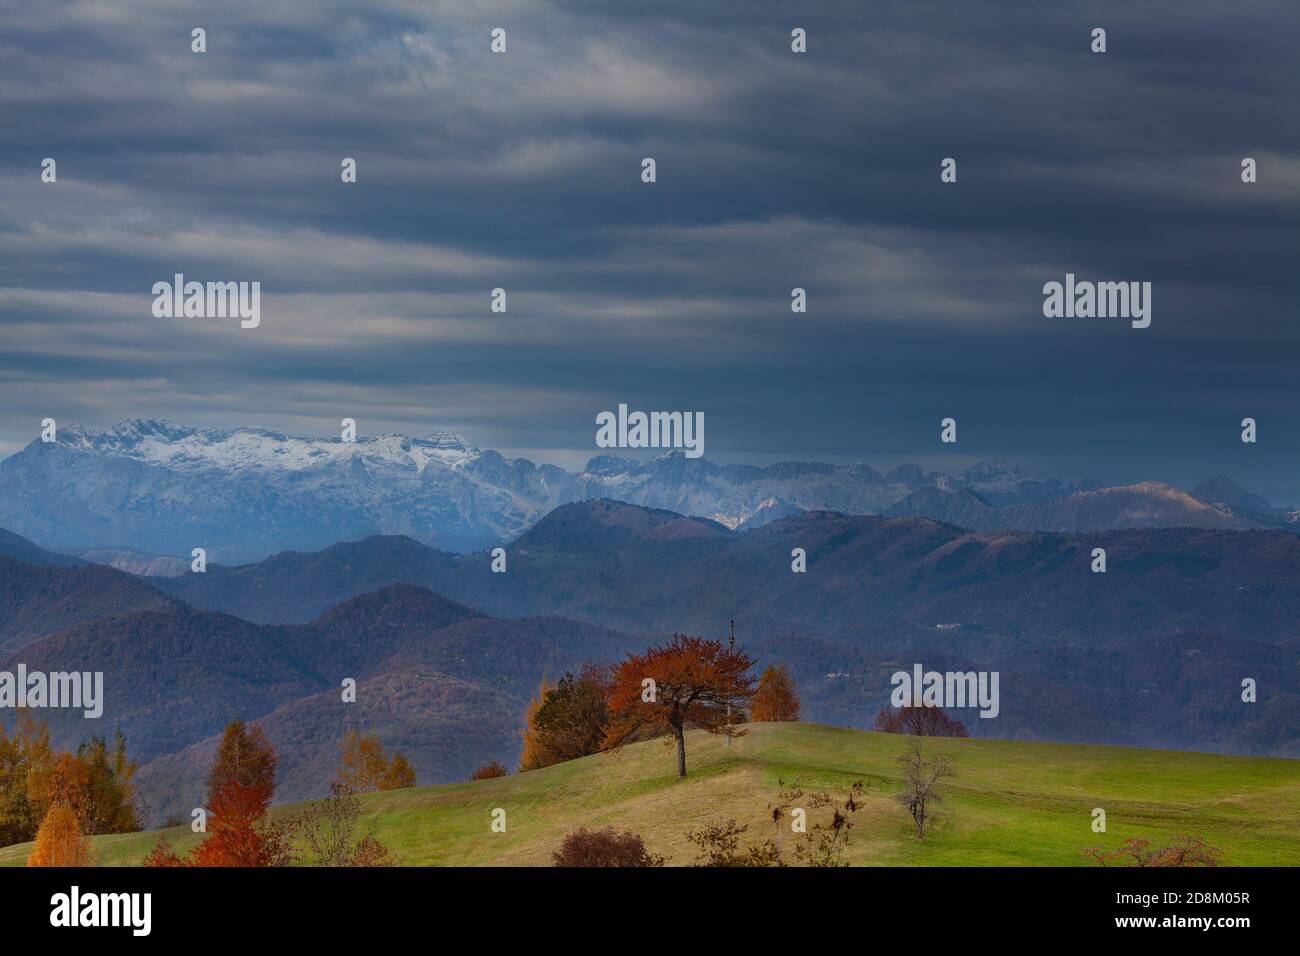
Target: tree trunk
680 734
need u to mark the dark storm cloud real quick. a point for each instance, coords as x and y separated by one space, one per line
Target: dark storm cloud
775 171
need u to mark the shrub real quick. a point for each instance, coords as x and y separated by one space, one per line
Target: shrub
719 845
605 847
1136 851
162 855
489 770
919 721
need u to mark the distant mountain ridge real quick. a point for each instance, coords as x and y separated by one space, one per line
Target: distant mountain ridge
1149 504
37 600
628 566
1151 652
20 549
143 494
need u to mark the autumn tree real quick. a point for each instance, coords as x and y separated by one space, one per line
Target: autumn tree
573 716
362 762
241 784
364 766
241 832
95 782
245 758
109 805
399 775
28 748
919 721
690 682
487 771
59 841
921 780
775 698
537 751
59 779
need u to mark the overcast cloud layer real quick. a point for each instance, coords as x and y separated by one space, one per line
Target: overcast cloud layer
775 170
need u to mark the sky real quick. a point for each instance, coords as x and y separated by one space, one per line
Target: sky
775 170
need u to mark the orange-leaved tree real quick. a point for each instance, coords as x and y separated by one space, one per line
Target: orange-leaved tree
399 775
537 752
95 782
240 833
775 698
59 780
688 682
244 757
240 786
59 841
364 766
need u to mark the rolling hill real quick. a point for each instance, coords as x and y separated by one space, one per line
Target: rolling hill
1010 803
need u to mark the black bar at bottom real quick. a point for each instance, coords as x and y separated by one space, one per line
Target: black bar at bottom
334 906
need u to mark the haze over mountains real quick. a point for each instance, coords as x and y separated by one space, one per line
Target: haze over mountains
141 495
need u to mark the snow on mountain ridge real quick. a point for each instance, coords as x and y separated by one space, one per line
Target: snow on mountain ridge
158 488
160 442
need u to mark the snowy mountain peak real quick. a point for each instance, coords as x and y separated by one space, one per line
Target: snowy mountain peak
987 471
161 442
125 434
1002 483
449 441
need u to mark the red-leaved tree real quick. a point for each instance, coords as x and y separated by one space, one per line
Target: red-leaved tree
240 833
688 682
240 786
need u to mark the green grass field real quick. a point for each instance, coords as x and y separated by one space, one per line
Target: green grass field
1010 803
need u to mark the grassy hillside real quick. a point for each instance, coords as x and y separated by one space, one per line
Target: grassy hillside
1011 803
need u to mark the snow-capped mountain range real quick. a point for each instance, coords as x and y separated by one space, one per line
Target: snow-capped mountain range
151 487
